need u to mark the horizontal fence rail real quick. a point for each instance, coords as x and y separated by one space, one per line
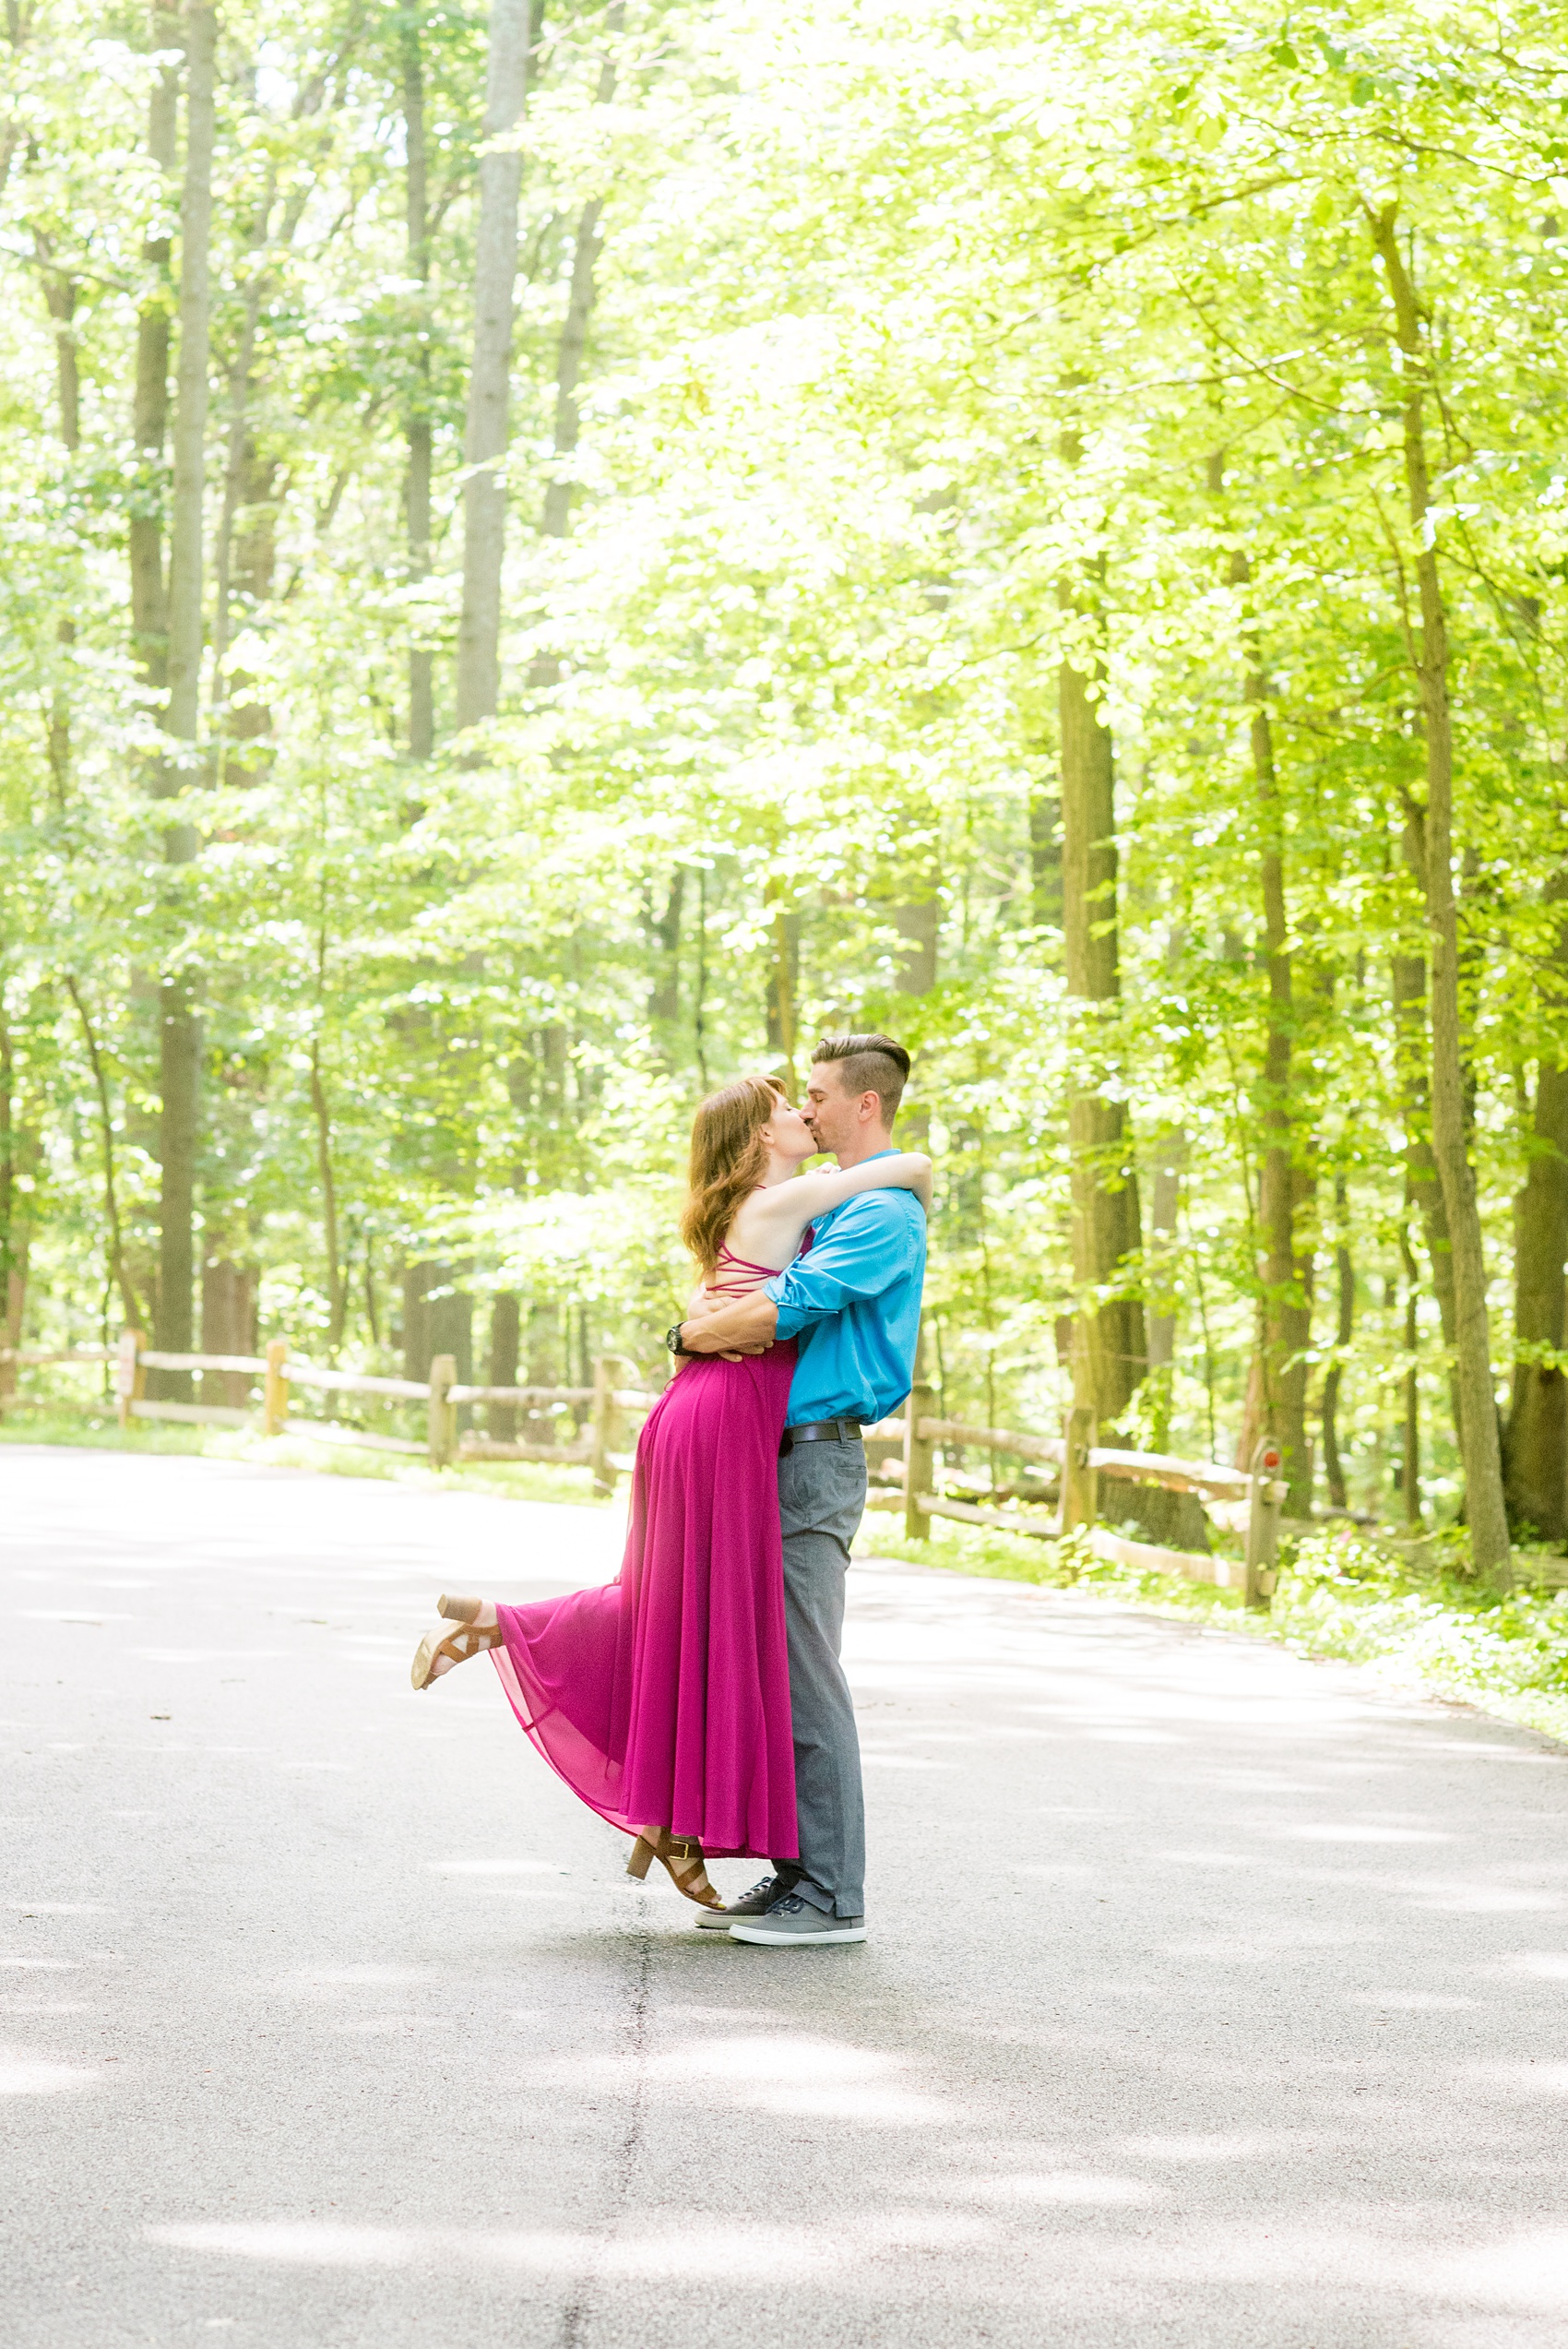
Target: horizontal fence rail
1242 1499
602 1444
922 1491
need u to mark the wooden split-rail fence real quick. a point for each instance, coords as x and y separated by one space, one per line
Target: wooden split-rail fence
1243 1499
601 1446
1247 1499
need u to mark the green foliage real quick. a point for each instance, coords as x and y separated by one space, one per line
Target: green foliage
903 314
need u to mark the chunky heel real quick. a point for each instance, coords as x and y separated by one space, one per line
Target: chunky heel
458 1610
642 1858
468 1639
681 1855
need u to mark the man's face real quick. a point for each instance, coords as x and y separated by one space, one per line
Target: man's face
831 1112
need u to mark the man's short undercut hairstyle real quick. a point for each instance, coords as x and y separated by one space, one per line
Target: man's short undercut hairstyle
869 1065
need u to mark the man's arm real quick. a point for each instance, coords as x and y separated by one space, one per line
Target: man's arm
873 1243
744 1326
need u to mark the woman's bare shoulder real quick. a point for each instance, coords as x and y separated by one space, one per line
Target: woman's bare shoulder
761 1234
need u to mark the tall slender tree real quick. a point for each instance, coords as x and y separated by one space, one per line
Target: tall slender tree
1286 1181
487 434
1479 1434
179 1018
417 427
1109 1351
1537 1448
149 413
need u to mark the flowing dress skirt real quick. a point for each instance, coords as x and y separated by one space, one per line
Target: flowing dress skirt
662 1699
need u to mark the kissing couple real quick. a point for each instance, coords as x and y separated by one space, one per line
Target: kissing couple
697 1702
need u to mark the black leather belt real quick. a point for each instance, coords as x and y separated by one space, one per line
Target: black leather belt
819 1431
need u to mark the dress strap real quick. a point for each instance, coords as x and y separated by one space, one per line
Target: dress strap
728 1256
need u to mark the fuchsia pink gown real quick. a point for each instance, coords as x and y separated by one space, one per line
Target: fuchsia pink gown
663 1698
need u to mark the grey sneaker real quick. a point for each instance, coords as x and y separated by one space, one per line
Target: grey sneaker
752 1904
792 1921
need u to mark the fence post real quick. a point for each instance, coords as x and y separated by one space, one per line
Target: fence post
1262 1521
275 1387
1080 1481
603 1418
443 1414
130 1379
919 1459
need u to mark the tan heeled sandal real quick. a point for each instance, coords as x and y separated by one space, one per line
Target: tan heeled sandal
681 1858
469 1640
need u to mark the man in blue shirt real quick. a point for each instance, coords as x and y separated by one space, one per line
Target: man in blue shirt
854 1303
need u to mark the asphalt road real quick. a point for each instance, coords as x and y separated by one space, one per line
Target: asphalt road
1212 1997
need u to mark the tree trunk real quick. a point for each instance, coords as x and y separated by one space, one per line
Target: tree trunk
505 1324
1485 1506
783 978
1537 1447
699 989
664 938
13 1244
484 446
1045 861
1410 1432
919 925
437 1319
178 1034
416 430
149 415
240 459
1278 1387
119 1279
60 298
1333 1465
14 1297
1108 1353
1165 1201
1286 1183
186 572
556 517
1422 1188
228 1320
336 1297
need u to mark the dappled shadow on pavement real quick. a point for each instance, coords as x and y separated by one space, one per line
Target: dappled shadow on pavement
1212 1996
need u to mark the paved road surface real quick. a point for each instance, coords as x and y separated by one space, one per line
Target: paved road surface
1213 2002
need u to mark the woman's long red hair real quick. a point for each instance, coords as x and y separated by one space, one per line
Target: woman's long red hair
729 1159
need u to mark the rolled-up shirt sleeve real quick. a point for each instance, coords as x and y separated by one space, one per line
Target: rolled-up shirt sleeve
871 1245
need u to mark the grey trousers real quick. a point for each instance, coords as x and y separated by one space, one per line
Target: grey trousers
822 1498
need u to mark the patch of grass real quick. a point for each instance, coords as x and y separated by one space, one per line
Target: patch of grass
96 1430
520 1480
1421 1625
1060 1566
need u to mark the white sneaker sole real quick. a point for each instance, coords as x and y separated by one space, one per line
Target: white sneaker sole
767 1937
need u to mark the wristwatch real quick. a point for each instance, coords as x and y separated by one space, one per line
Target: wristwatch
672 1339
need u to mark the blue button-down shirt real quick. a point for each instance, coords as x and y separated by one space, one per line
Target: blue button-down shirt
853 1301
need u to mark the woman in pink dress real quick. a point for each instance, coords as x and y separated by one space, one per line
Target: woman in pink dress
662 1699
